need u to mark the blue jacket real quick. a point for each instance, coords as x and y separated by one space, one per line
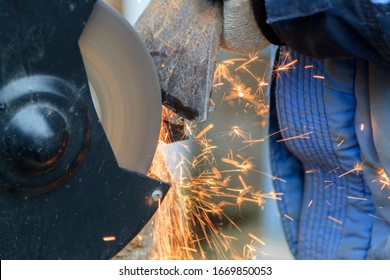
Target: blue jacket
336 98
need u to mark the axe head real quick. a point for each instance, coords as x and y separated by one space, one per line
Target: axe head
183 37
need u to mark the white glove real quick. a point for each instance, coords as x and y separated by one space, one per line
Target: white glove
240 30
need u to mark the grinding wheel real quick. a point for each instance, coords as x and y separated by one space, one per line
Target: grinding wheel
124 85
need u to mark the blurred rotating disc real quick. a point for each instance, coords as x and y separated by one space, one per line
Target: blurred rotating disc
124 87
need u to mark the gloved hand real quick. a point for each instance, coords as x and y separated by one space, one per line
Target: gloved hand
240 30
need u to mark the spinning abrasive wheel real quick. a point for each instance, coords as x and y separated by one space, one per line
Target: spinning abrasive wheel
63 195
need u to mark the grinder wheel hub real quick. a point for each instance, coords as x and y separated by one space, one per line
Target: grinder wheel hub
44 134
35 139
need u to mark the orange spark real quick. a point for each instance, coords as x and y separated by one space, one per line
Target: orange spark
109 238
216 172
334 170
301 136
335 220
288 217
328 185
263 139
285 67
312 171
356 198
204 131
358 167
383 179
246 63
218 85
254 237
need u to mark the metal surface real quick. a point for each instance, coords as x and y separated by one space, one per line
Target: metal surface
71 200
183 38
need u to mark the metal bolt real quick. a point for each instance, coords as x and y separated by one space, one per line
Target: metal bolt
157 195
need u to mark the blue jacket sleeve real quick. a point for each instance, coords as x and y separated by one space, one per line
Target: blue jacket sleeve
328 28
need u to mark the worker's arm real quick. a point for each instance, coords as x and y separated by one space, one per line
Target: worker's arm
328 28
318 28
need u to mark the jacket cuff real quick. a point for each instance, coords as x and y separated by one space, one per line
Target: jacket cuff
259 10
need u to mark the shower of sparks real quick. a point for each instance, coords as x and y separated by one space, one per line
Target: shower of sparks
192 221
185 227
237 131
228 73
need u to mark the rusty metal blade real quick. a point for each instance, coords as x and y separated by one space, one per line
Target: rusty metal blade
183 37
